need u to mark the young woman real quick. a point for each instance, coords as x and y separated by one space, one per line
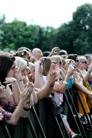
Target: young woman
8 73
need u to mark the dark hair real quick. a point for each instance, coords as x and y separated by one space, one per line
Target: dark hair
72 56
6 62
46 53
46 65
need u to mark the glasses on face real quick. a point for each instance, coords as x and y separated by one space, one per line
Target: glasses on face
14 67
29 57
54 62
84 62
77 61
60 62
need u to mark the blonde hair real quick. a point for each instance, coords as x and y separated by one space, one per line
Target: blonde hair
82 58
31 65
55 58
20 63
67 61
22 52
64 56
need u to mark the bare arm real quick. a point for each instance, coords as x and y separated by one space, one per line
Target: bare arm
17 113
48 87
15 88
79 85
63 86
88 74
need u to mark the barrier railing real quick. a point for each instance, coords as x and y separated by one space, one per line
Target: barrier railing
40 125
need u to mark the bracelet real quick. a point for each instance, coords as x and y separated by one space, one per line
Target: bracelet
13 82
89 72
26 109
65 82
27 103
52 85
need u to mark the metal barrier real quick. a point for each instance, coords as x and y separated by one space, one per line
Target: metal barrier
73 110
43 123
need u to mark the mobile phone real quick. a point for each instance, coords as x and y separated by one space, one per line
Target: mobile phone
58 50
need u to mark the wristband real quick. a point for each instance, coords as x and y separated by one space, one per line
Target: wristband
27 103
65 82
13 82
26 109
89 72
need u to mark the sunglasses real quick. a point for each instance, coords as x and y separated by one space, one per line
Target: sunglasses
84 62
54 62
29 57
60 62
77 60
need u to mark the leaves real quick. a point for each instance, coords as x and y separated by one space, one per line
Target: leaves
74 36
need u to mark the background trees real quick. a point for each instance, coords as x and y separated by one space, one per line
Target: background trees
74 36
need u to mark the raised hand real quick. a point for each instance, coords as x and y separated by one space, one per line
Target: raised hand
54 51
71 71
33 97
24 95
57 87
52 77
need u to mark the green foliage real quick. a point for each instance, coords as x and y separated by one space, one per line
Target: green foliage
16 34
74 36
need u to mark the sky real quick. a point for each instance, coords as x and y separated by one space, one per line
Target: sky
42 12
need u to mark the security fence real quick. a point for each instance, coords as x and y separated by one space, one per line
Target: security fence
45 120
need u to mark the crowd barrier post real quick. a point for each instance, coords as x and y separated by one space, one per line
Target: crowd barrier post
81 131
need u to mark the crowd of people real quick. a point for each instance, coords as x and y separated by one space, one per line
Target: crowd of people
28 76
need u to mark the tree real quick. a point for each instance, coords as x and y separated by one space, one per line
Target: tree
75 36
15 35
2 21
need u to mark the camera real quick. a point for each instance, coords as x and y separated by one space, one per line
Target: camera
57 50
71 66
